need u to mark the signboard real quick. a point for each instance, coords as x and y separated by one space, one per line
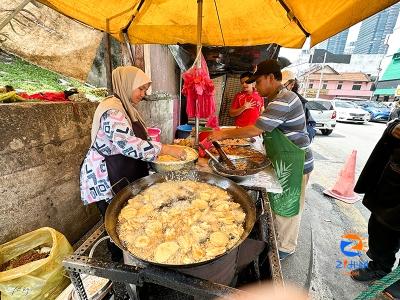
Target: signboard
397 91
319 55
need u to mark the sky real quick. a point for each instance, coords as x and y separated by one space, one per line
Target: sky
394 42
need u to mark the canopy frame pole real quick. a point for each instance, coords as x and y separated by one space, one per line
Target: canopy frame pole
128 46
108 62
14 13
198 65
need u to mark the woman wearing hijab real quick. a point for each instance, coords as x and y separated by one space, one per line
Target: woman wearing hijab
120 147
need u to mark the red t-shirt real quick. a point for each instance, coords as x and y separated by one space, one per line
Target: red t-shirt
249 116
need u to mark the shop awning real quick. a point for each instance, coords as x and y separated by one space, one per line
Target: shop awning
225 22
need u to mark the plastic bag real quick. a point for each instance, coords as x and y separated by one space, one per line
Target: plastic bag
41 279
199 91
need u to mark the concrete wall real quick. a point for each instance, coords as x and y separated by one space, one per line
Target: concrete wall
41 148
165 78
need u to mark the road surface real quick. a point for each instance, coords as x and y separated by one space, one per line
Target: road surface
318 262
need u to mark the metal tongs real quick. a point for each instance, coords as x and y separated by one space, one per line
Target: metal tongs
202 146
223 157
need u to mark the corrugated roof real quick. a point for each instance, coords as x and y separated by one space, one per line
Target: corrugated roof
393 70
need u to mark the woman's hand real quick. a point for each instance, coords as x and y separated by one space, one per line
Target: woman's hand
177 152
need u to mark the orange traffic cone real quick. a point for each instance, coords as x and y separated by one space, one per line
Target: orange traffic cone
344 187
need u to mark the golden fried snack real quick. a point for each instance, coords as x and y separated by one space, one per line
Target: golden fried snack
197 253
180 222
164 251
153 228
127 213
141 241
213 251
219 239
200 204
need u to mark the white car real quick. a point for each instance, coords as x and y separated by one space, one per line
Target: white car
350 112
323 113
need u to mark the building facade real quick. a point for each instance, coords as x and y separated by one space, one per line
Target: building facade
335 84
372 38
335 44
388 87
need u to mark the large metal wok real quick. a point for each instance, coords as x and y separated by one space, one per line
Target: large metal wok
238 194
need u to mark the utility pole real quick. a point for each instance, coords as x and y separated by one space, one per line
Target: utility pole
308 76
320 78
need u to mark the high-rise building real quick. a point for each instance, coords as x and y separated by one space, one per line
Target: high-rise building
372 38
335 44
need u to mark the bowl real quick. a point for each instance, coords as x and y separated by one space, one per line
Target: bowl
167 166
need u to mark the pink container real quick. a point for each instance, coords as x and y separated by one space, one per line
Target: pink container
154 134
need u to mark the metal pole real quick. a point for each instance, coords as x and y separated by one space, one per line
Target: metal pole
128 46
107 62
14 13
320 78
198 65
377 76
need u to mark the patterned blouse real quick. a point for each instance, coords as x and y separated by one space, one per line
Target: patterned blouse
115 136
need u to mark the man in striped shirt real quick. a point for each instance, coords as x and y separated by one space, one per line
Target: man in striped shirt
283 111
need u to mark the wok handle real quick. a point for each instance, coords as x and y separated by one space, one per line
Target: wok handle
118 182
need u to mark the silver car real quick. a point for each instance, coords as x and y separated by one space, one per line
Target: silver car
324 114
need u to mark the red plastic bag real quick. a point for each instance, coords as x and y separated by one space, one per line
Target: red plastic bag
199 91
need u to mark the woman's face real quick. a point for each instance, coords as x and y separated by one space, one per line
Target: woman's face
139 93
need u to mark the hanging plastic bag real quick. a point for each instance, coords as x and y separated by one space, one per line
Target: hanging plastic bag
41 279
199 91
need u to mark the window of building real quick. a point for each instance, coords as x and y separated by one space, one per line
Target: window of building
339 86
325 85
310 86
356 87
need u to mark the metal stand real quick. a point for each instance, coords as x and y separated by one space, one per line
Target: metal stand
123 275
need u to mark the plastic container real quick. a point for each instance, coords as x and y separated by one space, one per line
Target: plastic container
183 131
154 134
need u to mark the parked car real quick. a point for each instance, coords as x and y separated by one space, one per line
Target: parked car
348 111
389 104
323 113
377 110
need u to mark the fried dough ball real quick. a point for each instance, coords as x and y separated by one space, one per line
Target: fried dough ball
153 228
239 216
197 252
219 239
184 243
165 251
170 234
198 233
200 204
127 213
145 210
141 241
214 251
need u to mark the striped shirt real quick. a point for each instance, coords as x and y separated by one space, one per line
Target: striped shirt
286 113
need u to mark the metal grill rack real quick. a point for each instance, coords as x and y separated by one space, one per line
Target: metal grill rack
123 276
